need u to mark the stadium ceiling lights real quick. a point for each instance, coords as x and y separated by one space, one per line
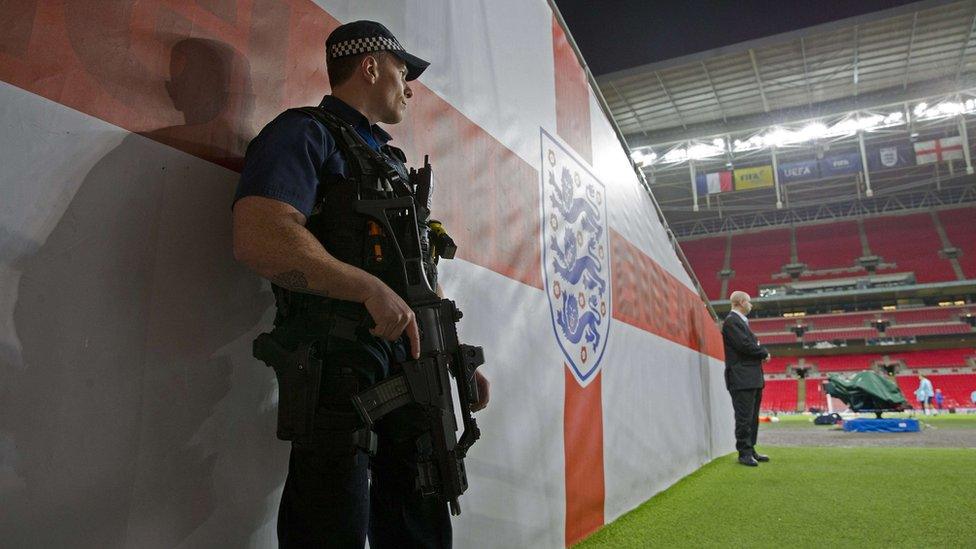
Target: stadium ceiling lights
780 137
944 109
785 137
775 137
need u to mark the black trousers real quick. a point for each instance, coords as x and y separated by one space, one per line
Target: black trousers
336 494
745 405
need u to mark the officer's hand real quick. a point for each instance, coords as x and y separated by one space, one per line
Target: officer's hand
483 390
392 316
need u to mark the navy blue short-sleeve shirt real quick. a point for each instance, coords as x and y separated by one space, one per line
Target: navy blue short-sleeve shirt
284 160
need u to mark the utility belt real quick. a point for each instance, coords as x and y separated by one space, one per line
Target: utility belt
301 378
316 316
303 328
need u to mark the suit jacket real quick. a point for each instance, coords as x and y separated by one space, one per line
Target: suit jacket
743 355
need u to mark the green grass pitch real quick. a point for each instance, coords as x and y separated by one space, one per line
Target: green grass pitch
812 497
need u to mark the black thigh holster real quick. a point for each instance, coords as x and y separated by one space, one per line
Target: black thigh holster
299 375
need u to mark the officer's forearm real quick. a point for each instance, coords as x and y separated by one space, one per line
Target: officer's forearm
282 250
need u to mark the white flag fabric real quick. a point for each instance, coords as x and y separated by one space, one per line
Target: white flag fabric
939 150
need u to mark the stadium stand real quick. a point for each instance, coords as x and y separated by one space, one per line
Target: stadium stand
756 257
707 255
935 358
911 243
941 328
776 339
840 334
903 317
927 314
841 320
778 364
828 246
779 395
892 240
850 273
958 224
842 363
771 325
904 323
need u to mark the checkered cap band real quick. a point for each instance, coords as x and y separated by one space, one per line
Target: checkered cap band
364 45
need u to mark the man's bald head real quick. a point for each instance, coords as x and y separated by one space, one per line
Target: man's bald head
741 302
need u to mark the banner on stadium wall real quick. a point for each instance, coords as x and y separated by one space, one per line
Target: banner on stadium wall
939 150
136 143
753 178
888 157
840 164
803 170
713 183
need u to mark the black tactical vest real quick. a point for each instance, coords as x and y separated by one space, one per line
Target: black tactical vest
347 235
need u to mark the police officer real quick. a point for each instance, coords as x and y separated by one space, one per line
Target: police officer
293 224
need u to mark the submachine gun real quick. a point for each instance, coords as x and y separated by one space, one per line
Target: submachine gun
425 381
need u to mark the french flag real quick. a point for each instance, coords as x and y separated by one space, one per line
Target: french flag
712 183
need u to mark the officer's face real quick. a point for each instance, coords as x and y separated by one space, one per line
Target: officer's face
391 89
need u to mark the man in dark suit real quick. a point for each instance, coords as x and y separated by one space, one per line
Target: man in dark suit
744 376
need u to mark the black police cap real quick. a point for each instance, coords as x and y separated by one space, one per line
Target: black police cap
369 36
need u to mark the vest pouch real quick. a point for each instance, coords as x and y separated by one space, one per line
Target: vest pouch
298 373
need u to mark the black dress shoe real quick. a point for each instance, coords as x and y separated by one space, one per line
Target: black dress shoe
749 461
760 457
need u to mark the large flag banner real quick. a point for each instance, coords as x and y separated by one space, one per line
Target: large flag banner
122 134
803 170
753 178
939 150
840 164
887 157
713 183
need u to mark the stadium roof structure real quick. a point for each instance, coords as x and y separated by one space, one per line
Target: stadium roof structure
887 78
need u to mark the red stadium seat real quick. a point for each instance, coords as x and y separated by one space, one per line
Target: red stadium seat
840 334
778 364
842 363
779 395
707 257
943 328
911 243
958 225
756 257
956 388
816 397
935 358
927 314
842 320
828 246
776 339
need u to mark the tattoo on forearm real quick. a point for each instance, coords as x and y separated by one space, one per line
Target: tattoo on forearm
295 280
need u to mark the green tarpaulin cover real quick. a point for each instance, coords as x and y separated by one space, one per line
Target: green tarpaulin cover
867 391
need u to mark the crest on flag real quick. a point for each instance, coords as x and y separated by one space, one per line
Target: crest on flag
575 257
889 156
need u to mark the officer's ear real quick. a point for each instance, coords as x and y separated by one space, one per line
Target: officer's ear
371 67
